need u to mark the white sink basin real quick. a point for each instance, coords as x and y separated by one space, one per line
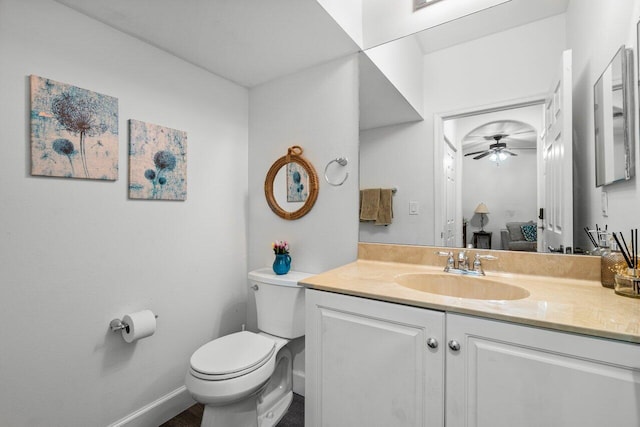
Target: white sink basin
461 286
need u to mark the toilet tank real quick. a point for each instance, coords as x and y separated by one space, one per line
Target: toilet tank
279 302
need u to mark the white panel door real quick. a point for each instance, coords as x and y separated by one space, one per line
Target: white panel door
507 375
368 363
452 236
557 158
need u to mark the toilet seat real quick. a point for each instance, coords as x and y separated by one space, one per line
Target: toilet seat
231 356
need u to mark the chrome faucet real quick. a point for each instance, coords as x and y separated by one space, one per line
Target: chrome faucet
463 263
477 264
450 261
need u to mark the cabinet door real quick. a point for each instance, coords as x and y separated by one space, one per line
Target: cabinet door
368 363
507 375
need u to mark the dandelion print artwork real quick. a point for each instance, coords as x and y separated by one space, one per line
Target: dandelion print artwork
297 183
74 131
157 162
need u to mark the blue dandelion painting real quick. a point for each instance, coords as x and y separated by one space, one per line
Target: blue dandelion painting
74 131
157 162
297 183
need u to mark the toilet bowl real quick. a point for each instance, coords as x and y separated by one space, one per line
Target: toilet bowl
240 378
245 379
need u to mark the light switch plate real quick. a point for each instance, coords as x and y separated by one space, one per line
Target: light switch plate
604 199
414 208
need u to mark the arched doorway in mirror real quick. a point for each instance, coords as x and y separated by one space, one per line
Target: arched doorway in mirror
492 178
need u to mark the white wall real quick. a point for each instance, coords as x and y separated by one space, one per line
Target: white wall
318 110
75 254
508 190
398 156
462 77
595 31
468 75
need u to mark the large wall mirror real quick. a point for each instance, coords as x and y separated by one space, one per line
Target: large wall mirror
493 92
614 119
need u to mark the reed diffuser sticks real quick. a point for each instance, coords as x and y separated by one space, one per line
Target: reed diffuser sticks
593 241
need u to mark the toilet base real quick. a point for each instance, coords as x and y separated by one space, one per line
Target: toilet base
241 414
244 413
273 416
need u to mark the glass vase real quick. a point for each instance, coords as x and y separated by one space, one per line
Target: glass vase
627 283
611 262
282 264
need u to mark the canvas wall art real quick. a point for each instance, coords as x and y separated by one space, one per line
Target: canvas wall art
74 131
297 183
157 162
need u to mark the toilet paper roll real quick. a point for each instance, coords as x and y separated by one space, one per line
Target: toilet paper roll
141 324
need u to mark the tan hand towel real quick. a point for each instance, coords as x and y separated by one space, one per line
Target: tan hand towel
369 204
385 210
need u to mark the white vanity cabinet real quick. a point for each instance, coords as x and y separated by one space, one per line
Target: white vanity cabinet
369 363
507 375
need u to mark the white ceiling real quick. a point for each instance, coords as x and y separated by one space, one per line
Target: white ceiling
246 41
251 42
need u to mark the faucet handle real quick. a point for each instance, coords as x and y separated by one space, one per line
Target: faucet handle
477 264
450 260
489 257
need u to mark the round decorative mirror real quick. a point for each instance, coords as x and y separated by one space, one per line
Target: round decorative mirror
291 186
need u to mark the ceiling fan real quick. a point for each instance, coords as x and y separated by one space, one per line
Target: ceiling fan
498 148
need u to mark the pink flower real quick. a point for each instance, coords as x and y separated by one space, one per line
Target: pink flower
280 247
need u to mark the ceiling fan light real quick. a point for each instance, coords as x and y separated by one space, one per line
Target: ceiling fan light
502 156
493 157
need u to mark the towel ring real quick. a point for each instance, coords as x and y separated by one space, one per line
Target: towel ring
342 161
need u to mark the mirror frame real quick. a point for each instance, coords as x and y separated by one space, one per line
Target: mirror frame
626 58
294 154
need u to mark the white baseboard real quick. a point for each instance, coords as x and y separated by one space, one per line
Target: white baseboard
158 411
298 382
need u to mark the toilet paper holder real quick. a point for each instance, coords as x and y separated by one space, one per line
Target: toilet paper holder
118 325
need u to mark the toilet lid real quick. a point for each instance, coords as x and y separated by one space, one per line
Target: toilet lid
232 355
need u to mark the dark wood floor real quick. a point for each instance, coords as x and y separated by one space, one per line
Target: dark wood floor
192 417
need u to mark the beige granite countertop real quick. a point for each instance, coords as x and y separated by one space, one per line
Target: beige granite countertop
567 304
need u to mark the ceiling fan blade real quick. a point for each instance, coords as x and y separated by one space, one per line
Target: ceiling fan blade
524 139
523 132
485 154
509 152
475 152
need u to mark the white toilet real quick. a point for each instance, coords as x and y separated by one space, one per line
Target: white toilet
245 379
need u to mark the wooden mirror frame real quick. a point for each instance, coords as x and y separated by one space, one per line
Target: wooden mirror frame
294 154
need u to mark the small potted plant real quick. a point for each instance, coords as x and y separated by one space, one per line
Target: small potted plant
282 263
